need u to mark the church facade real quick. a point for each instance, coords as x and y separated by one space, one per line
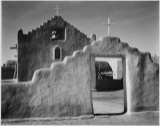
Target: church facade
63 88
51 42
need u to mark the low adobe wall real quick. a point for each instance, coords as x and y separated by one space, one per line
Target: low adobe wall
64 89
7 72
141 73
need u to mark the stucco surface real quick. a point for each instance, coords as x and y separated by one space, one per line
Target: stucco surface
142 78
35 49
64 89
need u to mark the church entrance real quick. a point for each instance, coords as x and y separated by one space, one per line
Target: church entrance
109 94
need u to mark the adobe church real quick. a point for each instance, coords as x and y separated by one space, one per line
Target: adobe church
57 63
49 43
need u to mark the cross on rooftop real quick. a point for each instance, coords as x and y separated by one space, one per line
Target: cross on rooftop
108 24
57 8
14 48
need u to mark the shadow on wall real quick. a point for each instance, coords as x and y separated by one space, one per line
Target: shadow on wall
109 85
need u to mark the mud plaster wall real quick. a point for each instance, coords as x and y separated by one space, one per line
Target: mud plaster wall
58 91
64 89
141 75
35 49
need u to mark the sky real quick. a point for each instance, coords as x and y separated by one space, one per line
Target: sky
136 22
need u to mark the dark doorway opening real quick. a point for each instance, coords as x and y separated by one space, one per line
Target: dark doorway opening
57 53
108 96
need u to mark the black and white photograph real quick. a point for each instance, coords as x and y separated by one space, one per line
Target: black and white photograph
79 62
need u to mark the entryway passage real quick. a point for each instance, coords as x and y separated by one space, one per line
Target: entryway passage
108 95
108 102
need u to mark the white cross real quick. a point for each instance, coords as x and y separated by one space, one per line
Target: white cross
56 10
108 24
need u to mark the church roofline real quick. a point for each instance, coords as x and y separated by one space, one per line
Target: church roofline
47 23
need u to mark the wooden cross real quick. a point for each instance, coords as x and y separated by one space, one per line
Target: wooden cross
14 48
56 10
108 24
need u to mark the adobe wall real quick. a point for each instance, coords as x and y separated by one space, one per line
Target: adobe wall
64 89
141 75
35 49
59 91
7 72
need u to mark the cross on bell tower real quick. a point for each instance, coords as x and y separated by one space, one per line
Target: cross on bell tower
57 8
108 24
14 48
15 72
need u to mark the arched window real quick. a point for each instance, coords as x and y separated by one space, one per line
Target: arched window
57 53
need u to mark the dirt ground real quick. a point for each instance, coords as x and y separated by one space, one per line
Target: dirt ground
108 102
143 118
105 105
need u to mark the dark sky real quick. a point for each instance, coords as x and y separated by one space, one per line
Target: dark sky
137 23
